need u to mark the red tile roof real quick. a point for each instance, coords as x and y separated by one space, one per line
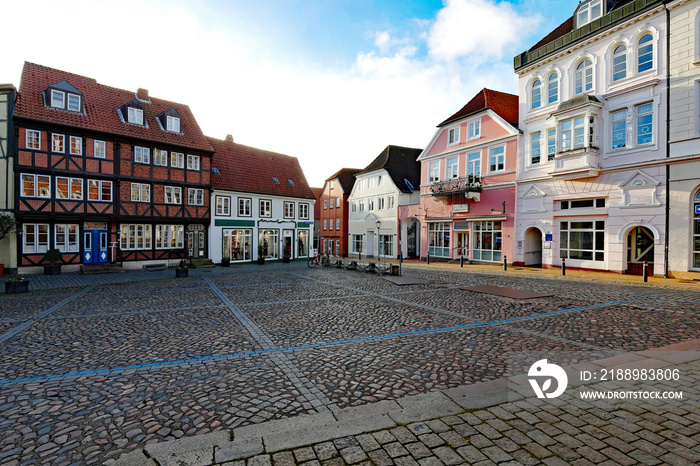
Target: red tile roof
505 105
317 207
101 103
250 170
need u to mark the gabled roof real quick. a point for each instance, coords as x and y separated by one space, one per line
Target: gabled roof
346 178
100 108
250 170
505 105
401 164
317 207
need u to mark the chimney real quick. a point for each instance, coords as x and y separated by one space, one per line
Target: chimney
229 138
142 94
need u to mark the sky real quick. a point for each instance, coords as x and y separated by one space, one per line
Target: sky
331 82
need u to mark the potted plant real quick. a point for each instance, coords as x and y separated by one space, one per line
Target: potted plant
225 262
7 225
286 254
182 270
53 257
17 284
261 254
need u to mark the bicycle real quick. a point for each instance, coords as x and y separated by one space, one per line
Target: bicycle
319 259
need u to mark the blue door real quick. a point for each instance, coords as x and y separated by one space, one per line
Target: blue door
95 247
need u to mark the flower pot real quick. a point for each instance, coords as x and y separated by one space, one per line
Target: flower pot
16 287
53 269
261 261
182 273
225 262
285 260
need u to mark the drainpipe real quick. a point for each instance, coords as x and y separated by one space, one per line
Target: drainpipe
668 139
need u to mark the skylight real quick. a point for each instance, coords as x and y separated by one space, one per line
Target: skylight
291 183
216 171
275 180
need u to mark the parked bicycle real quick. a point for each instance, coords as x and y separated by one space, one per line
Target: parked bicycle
319 259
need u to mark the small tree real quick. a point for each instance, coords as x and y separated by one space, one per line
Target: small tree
7 225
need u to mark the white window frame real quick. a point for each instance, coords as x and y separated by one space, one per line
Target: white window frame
551 143
586 76
474 164
288 211
140 192
245 207
536 94
170 236
433 172
303 211
565 227
589 10
100 149
381 203
160 157
193 162
325 224
337 224
358 243
70 183
453 136
452 168
474 129
618 62
101 185
33 136
177 160
535 148
173 195
142 154
60 140
618 126
70 234
325 203
390 202
71 100
553 87
61 97
44 193
134 115
195 196
497 157
337 202
141 239
36 246
223 206
652 54
265 208
637 123
172 124
78 145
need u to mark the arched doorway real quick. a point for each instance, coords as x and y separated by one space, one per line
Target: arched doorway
640 249
532 248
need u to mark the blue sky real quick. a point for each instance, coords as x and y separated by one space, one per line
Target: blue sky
331 82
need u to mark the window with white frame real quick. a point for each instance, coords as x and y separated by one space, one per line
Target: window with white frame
619 63
66 237
453 136
645 123
587 12
553 88
535 148
35 238
177 160
160 157
69 188
135 116
304 211
573 133
195 196
391 202
73 102
353 206
497 159
173 195
595 203
193 162
433 172
386 245
357 243
99 190
170 236
142 154
370 182
172 124
35 185
330 184
582 240
265 208
362 206
474 164
337 202
380 180
583 77
58 99
381 203
325 224
473 129
135 236
370 204
536 94
619 129
244 205
223 206
288 210
439 239
58 143
645 53
100 151
140 192
452 168
551 143
76 145
32 139
487 241
337 224
325 203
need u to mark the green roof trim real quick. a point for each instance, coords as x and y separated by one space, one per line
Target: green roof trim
234 223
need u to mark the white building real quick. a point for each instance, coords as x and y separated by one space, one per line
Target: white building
684 155
591 172
258 198
390 181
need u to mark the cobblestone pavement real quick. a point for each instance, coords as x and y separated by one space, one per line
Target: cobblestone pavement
94 368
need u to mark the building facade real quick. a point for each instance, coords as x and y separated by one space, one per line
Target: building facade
684 141
591 172
385 185
8 245
467 188
334 212
106 175
259 199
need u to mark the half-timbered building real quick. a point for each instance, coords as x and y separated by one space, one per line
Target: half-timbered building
106 175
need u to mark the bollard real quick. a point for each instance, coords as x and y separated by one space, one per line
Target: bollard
461 260
428 258
563 266
505 263
646 271
359 256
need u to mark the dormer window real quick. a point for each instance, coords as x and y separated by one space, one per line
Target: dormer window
172 124
58 100
73 103
135 116
588 12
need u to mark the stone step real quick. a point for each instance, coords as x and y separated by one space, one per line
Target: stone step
101 268
202 263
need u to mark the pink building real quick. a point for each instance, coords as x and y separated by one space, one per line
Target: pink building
467 190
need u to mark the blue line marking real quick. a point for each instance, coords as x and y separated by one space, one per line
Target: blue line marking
312 345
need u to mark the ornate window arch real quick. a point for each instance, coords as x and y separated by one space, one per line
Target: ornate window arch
536 93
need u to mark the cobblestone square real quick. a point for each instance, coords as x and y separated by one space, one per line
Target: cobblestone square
93 371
